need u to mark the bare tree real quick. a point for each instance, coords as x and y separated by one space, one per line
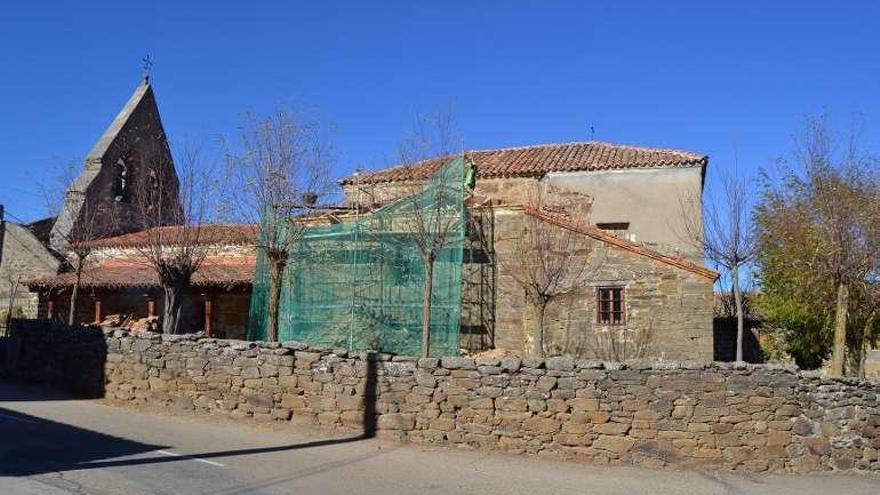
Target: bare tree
726 236
547 261
171 209
76 242
280 172
433 216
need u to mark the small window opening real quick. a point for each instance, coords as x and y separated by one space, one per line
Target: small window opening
610 307
120 188
614 226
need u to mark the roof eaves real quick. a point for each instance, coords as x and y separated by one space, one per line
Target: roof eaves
618 242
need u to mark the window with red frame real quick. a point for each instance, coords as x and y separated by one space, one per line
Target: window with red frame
610 306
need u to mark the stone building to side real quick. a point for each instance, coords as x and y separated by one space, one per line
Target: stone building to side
646 293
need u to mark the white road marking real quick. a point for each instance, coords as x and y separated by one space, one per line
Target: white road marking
174 454
16 418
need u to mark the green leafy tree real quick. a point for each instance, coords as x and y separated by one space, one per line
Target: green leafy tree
819 245
796 309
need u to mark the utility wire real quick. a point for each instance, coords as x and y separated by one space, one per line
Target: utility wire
23 224
20 190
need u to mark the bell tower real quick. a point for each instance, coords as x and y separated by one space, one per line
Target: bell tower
131 153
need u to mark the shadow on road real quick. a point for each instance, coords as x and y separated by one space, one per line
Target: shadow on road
69 363
220 453
32 445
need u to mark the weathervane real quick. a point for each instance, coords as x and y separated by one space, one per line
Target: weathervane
148 66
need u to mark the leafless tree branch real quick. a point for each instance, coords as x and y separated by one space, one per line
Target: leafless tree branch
279 172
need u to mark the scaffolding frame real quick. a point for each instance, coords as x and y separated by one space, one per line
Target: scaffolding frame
358 284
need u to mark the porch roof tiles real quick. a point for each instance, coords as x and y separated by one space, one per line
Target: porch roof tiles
218 272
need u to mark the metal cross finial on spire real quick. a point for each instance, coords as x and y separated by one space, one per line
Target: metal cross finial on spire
148 66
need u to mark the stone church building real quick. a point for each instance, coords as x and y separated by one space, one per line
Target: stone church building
102 209
101 200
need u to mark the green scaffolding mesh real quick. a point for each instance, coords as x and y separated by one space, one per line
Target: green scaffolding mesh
359 283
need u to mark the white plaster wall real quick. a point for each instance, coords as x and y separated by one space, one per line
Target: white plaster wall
655 202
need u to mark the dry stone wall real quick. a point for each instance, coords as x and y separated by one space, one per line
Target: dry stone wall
753 418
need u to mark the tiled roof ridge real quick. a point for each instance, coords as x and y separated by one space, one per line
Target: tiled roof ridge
632 147
565 222
570 156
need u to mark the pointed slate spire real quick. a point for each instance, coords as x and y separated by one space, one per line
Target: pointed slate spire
124 157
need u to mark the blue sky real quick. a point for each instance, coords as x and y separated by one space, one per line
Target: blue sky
707 76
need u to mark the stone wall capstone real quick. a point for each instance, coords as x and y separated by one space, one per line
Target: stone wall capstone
749 418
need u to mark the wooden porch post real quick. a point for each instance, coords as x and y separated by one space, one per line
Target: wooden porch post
50 308
97 309
209 314
151 306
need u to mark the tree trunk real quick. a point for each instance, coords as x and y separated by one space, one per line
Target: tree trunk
275 282
74 293
174 296
12 294
863 344
840 329
427 293
538 342
737 298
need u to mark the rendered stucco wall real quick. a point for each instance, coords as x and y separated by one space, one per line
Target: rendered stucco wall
655 202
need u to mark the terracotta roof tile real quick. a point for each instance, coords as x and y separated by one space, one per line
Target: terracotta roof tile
230 235
538 160
216 271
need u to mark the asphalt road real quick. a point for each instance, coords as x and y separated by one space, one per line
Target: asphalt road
50 444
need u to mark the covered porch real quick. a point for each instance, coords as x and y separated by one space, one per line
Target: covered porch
128 294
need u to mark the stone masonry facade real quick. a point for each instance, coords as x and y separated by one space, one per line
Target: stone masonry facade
661 413
668 309
24 256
